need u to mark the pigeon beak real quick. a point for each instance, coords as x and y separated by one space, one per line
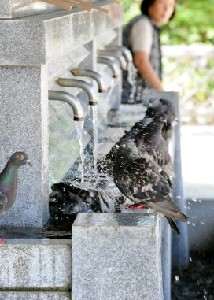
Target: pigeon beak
28 163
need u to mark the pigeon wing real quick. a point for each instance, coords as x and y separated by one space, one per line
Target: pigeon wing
137 181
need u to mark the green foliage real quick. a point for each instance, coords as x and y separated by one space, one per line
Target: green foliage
191 76
131 9
193 23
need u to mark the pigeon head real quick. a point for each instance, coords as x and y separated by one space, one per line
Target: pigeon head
161 118
19 158
153 111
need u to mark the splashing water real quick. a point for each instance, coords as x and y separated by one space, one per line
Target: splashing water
79 129
95 140
91 156
102 192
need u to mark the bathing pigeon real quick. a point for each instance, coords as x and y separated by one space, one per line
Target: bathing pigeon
139 179
67 199
8 180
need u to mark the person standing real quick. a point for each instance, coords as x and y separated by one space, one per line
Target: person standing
142 37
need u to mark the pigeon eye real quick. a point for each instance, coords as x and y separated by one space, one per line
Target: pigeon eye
20 157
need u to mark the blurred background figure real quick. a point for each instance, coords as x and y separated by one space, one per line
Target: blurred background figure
142 36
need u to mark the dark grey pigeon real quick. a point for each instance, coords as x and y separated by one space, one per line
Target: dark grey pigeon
8 180
68 199
139 179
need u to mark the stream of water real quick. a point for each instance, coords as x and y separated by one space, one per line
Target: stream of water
79 129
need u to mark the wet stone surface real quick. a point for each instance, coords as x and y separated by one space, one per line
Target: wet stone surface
197 281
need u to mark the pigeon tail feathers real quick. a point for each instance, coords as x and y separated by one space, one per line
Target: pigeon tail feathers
173 225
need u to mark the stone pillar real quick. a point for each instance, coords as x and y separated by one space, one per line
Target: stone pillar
24 111
116 256
24 117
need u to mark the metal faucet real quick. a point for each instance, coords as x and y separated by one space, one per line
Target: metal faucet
87 87
71 100
117 54
92 74
112 63
126 52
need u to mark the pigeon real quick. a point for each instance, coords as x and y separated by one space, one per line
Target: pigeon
67 199
8 180
139 179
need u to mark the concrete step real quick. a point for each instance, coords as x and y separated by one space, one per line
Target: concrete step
35 264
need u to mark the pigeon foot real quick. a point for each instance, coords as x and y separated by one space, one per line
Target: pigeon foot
2 241
136 206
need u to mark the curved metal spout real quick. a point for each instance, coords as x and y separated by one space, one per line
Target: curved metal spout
88 88
116 54
126 52
71 100
92 74
111 63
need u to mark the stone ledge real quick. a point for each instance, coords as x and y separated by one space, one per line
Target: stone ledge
34 296
35 264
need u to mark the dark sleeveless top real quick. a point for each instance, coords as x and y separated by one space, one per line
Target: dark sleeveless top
155 59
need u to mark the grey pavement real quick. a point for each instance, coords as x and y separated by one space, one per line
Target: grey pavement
197 145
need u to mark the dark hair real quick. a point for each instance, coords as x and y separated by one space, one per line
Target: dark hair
145 4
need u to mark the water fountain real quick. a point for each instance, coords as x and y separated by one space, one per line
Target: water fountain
47 47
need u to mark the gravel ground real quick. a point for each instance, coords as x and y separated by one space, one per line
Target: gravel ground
196 282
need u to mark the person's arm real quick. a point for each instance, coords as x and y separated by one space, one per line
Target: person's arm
144 67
